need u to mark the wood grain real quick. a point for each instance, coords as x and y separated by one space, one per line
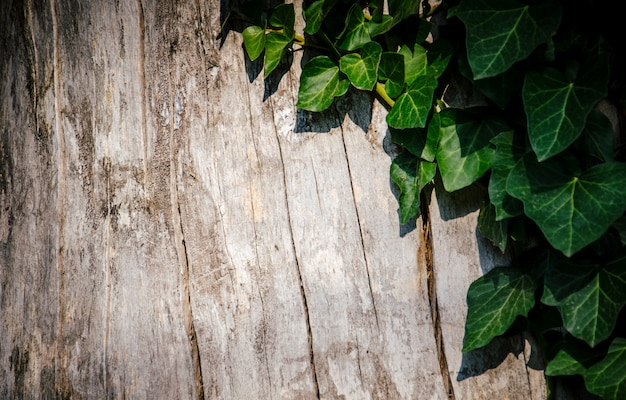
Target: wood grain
171 226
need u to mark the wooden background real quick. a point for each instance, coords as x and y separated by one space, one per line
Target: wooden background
172 227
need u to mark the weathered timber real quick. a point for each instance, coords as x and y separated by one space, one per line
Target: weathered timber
171 226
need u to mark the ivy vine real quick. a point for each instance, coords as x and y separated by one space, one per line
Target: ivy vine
550 163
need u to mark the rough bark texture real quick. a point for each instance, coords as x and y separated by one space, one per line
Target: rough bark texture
173 227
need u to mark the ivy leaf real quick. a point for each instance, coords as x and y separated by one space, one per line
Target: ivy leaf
362 69
509 149
464 153
314 15
284 16
573 357
320 83
415 62
411 109
419 141
254 41
607 378
411 175
502 32
275 45
598 136
356 33
590 297
556 107
391 71
572 209
494 301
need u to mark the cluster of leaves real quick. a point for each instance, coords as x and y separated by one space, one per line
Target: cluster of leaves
555 194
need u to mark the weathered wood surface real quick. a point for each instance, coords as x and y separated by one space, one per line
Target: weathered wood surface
173 227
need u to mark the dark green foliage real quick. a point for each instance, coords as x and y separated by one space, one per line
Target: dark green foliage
556 186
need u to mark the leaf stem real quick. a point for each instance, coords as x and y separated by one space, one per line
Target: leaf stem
380 90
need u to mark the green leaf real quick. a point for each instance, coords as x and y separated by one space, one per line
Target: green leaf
415 62
356 33
509 149
362 69
607 378
556 108
572 209
464 153
275 45
598 136
320 83
284 16
411 175
391 71
419 141
254 41
496 231
573 357
494 301
411 109
589 296
314 15
502 32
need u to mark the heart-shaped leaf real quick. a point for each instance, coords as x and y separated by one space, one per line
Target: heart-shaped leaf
362 69
464 153
590 296
275 45
356 33
411 109
502 32
572 209
607 378
391 71
494 301
313 16
556 108
411 175
284 16
320 83
254 41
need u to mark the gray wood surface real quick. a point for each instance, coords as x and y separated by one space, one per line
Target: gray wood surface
171 226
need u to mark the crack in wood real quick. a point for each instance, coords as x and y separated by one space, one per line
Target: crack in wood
181 251
358 220
61 384
142 83
299 271
426 253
